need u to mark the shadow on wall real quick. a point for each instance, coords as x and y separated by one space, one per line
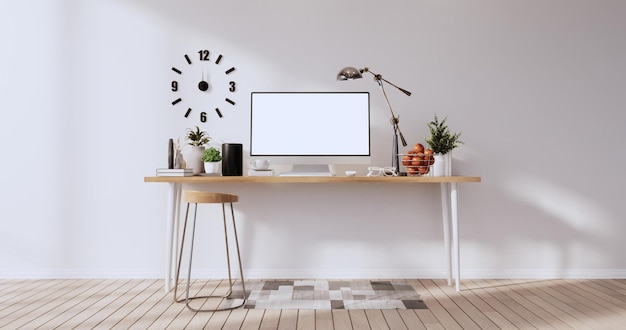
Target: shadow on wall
565 229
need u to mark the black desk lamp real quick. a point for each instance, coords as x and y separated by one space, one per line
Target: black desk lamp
349 73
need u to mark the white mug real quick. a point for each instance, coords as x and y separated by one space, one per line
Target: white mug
260 164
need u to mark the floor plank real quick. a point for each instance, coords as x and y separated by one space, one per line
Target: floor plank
341 319
144 303
485 290
474 316
208 320
288 319
393 319
134 298
11 301
537 314
271 318
376 319
571 307
104 306
306 319
324 319
411 320
482 304
359 319
437 308
556 317
23 311
16 289
253 319
75 308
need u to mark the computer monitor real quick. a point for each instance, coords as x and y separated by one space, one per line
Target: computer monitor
310 128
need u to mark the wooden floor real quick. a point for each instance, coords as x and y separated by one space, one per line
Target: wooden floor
482 304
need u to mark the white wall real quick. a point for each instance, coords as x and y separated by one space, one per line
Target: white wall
535 87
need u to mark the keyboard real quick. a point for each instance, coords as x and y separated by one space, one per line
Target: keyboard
306 174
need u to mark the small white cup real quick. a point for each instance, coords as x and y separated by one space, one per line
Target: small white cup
260 164
350 173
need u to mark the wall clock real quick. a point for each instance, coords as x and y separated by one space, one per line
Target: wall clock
203 86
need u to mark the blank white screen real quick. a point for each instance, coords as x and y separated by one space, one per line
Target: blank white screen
310 124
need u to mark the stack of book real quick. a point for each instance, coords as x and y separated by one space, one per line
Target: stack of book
174 172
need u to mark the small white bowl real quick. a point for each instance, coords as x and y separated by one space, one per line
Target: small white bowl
350 173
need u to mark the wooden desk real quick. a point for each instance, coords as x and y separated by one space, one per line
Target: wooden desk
449 206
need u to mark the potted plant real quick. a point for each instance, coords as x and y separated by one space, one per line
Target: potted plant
197 139
442 142
211 158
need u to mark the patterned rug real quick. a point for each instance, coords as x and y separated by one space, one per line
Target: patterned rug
332 294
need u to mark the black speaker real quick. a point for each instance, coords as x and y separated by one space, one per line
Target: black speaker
232 159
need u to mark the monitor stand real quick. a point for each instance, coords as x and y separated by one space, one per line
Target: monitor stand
309 170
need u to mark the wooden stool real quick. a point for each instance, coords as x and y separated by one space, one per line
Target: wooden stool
200 197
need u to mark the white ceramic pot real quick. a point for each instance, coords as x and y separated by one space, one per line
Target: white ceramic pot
212 167
194 160
443 165
439 167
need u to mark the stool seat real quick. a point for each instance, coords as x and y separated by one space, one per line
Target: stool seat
200 197
204 197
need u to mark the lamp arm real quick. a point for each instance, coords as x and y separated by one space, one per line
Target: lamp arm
399 88
378 77
394 120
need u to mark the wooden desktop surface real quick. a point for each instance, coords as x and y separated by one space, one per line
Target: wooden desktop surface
312 179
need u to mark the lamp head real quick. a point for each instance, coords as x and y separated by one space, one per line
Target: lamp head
349 73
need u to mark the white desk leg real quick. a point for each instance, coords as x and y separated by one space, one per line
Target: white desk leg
176 228
454 201
445 212
169 233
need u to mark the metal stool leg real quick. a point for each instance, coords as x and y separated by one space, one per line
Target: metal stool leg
180 257
230 282
243 283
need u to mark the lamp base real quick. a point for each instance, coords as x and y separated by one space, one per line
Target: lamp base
395 158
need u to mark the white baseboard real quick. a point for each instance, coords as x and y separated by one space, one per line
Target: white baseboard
543 273
80 274
326 273
441 273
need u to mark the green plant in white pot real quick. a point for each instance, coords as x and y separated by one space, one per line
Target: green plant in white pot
212 160
442 142
197 139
